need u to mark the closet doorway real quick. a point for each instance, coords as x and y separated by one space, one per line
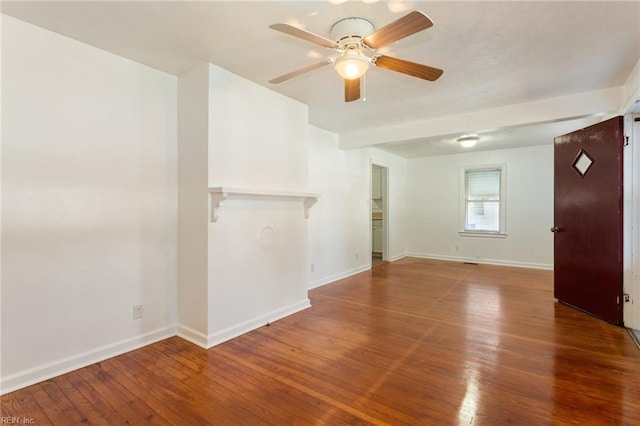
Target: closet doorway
379 214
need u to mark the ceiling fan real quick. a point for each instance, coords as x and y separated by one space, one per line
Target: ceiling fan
356 45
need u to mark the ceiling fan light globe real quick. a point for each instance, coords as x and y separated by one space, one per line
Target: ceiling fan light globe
352 66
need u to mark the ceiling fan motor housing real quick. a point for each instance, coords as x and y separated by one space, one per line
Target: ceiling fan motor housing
350 30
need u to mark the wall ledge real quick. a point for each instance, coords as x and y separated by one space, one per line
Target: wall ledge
221 193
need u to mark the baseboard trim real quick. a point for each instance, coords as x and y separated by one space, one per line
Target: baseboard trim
397 257
44 372
328 280
483 261
193 336
254 323
635 336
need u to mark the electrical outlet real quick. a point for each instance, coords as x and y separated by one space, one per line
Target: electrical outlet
313 267
357 256
137 312
457 248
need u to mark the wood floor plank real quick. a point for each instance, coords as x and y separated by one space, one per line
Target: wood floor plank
61 400
23 405
401 377
207 398
370 386
415 341
90 414
130 408
103 406
248 385
57 413
159 395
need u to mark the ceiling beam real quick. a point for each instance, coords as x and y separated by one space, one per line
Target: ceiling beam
542 111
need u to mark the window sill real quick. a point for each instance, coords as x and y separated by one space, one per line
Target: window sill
482 234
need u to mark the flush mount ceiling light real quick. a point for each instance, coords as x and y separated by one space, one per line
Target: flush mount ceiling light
468 141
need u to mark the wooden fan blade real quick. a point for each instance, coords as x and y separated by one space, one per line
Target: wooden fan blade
351 90
304 35
298 72
409 24
411 68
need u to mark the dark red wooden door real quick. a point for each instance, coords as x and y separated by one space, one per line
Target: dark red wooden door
588 219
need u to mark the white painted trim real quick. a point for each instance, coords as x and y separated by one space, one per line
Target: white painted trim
385 209
220 193
193 336
480 234
47 371
254 192
332 278
628 219
635 239
498 262
254 323
398 257
631 233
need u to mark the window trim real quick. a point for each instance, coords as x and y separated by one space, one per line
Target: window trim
502 232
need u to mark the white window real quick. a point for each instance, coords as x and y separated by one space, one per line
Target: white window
483 200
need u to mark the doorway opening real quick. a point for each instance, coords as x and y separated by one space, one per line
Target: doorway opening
379 214
631 238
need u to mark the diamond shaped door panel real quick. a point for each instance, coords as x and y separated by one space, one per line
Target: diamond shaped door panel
582 163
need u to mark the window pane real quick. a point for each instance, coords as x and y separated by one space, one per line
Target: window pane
483 184
482 200
483 216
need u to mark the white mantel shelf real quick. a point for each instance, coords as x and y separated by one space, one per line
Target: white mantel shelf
221 193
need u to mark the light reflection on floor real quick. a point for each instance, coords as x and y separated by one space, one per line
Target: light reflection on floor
482 302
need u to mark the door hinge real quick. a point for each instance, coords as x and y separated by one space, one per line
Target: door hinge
626 298
626 141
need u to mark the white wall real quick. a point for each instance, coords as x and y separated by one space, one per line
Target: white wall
434 202
258 138
257 248
340 223
89 204
193 134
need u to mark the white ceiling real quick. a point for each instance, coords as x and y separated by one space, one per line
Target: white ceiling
493 54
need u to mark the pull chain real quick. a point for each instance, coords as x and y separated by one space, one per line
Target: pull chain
364 87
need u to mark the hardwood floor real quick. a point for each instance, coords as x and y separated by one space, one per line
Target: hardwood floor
411 342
